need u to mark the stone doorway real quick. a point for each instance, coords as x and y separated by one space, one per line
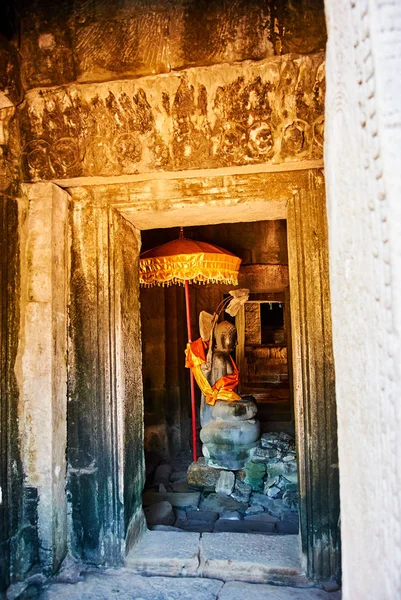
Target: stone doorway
109 218
262 496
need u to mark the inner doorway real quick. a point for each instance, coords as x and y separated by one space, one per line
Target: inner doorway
262 497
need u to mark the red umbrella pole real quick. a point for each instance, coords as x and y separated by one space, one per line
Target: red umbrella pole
193 405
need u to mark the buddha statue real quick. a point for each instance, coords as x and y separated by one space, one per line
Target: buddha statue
229 429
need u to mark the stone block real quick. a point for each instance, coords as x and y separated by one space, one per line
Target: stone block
159 514
219 503
178 476
195 526
162 474
274 469
264 454
287 527
262 518
180 486
225 484
242 491
254 509
176 499
275 507
232 515
203 516
165 528
237 526
254 475
200 475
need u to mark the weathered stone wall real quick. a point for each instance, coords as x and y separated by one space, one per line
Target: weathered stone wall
11 501
250 113
103 40
362 159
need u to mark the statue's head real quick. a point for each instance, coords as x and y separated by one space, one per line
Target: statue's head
225 335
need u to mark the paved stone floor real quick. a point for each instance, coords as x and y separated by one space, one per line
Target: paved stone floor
122 584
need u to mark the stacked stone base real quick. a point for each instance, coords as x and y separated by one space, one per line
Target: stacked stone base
260 498
267 483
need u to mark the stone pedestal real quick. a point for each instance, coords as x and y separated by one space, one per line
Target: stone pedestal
230 435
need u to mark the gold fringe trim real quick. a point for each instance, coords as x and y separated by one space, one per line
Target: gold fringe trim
201 268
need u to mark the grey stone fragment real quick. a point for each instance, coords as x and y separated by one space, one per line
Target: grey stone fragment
252 557
178 476
256 509
231 526
264 455
162 474
180 513
165 553
218 503
198 526
176 499
287 527
225 483
274 492
232 515
180 486
242 591
165 528
254 475
262 518
242 491
275 507
203 516
160 513
284 441
124 585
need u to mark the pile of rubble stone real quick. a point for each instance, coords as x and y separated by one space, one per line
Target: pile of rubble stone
260 498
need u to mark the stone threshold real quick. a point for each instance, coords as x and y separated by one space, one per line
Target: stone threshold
251 558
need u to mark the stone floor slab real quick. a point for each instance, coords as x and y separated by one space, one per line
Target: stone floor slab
165 553
252 557
123 585
242 591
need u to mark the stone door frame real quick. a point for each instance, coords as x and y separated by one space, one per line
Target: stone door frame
299 197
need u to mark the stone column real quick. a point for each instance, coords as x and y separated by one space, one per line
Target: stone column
105 410
313 373
42 363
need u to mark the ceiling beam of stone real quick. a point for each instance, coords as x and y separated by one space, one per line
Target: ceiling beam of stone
265 112
100 40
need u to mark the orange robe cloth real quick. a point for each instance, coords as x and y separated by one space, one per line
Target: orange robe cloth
224 387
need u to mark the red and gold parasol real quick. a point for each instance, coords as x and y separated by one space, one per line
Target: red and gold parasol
183 262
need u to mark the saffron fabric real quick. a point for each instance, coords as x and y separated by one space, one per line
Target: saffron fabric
224 387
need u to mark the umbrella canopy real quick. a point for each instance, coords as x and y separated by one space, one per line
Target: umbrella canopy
184 260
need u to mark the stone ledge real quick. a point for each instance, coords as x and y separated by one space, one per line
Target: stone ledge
165 553
253 558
